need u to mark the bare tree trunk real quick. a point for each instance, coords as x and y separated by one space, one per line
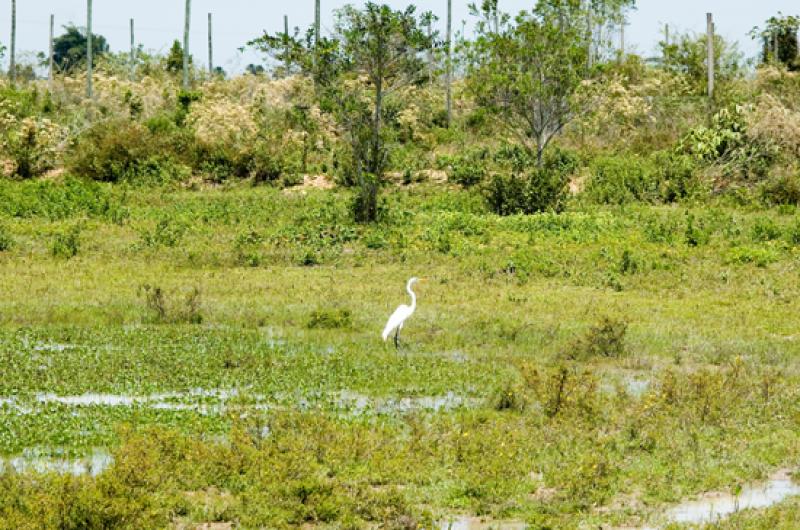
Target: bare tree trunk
449 76
186 27
89 54
12 65
50 53
210 48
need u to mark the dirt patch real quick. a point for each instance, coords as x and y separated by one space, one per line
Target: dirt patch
312 182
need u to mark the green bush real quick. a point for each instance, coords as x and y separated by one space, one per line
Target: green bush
172 311
54 201
6 240
677 176
168 232
604 339
265 165
329 319
621 179
540 190
365 205
765 229
67 243
122 150
781 190
470 168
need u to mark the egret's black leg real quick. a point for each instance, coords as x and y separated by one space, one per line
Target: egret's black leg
397 339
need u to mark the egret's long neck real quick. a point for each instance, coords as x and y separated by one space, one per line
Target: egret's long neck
413 296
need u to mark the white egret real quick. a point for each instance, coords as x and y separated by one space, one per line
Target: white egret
400 315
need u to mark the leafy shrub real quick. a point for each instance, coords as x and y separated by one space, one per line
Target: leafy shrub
509 397
781 189
176 311
32 144
56 201
562 390
696 233
66 243
325 318
793 233
621 179
677 176
6 240
660 230
760 257
168 232
765 229
604 339
117 150
365 205
470 168
727 144
265 166
539 190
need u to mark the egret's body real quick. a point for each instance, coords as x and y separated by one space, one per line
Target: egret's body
400 315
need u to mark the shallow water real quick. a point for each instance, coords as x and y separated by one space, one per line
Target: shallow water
215 401
34 461
476 523
108 400
717 506
360 403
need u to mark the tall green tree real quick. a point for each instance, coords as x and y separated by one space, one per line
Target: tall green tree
687 55
385 47
527 73
69 49
373 52
779 41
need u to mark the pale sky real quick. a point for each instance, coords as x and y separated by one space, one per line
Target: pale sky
159 22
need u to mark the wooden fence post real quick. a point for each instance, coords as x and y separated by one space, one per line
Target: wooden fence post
50 53
710 58
317 22
12 65
449 76
186 27
89 54
133 53
210 48
286 62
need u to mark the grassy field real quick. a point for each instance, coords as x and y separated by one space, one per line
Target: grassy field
581 370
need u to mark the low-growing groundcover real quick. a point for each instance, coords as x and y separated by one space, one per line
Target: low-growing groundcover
583 368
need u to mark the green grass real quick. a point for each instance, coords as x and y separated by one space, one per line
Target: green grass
331 427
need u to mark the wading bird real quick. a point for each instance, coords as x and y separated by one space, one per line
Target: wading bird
400 316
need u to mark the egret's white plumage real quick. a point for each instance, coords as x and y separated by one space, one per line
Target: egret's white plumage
400 315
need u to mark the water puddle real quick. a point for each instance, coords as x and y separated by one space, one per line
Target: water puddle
84 400
215 401
477 523
633 385
52 347
713 507
358 404
637 387
38 461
